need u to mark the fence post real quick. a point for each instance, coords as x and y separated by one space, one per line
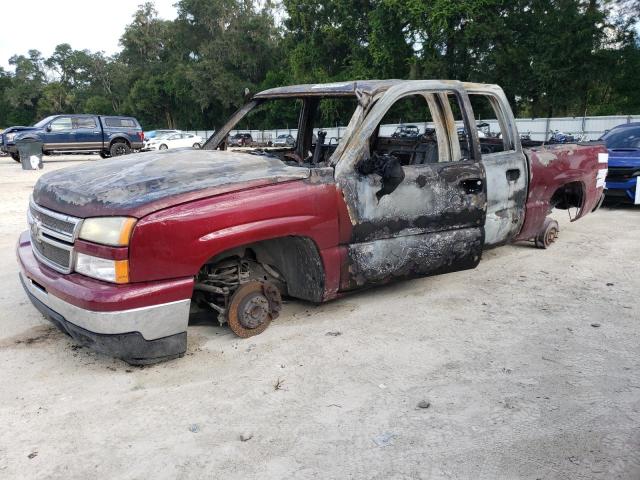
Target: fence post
546 133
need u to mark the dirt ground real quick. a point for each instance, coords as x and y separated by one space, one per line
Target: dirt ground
530 364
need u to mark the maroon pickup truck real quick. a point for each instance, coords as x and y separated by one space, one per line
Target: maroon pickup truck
119 253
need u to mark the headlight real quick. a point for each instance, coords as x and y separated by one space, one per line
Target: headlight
115 271
114 231
11 136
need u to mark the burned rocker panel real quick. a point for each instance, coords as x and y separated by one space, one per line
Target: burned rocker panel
385 260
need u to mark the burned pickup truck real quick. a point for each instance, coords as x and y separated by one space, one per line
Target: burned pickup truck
119 253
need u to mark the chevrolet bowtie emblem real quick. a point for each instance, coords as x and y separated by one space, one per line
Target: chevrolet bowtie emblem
35 232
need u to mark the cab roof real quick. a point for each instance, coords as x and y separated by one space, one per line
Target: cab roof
349 87
346 88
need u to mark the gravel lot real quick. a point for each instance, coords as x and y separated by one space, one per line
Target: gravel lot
521 380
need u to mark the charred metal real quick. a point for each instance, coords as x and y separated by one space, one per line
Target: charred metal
231 232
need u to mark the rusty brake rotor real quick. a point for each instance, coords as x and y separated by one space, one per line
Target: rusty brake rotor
253 305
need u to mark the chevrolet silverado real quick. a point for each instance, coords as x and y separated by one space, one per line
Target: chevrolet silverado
119 253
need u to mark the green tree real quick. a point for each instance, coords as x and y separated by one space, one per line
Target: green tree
227 46
26 87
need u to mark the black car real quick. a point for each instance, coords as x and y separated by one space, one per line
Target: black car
240 140
406 131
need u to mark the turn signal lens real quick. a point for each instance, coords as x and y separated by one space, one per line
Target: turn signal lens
122 271
114 271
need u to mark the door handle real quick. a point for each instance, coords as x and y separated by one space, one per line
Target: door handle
513 174
471 185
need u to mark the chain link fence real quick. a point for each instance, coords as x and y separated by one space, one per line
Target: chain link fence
588 128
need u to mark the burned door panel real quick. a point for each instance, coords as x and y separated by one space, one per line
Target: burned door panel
431 198
433 221
384 260
505 165
507 193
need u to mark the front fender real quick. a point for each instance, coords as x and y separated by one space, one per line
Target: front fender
29 136
176 242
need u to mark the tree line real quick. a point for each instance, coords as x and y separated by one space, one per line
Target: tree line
552 57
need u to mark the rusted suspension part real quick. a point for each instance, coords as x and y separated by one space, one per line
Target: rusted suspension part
548 235
253 305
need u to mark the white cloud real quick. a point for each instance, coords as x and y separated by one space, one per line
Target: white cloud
91 24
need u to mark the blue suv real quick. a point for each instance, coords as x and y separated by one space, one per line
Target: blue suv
623 143
108 135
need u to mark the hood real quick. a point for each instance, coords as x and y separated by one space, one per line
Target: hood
142 183
17 130
624 157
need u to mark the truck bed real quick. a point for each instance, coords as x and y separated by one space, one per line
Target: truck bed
565 176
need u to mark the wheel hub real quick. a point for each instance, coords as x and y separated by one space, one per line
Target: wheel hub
253 311
252 307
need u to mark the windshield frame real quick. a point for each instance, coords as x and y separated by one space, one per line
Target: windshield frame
624 134
219 139
44 121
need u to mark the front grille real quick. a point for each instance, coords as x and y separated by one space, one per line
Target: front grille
617 174
54 223
53 253
52 237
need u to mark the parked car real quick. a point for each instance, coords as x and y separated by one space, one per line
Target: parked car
117 252
154 133
177 139
284 140
240 140
406 131
623 143
107 135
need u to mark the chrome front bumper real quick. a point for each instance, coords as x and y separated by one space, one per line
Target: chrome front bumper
151 322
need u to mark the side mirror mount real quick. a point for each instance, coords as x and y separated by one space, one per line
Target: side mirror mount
48 129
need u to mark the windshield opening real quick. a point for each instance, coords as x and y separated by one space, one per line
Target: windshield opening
301 130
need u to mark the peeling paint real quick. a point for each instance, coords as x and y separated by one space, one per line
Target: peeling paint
545 157
129 182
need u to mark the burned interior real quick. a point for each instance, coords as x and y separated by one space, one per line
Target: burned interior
303 116
415 186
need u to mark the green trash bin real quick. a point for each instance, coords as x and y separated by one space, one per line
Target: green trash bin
30 150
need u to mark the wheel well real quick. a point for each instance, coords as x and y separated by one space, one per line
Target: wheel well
568 196
296 258
119 140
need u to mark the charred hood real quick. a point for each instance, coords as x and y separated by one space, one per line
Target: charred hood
139 184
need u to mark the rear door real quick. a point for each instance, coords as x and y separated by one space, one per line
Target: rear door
187 140
432 221
88 134
504 162
174 141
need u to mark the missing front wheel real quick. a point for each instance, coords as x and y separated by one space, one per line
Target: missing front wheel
242 292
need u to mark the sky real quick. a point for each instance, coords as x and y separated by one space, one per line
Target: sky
92 24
